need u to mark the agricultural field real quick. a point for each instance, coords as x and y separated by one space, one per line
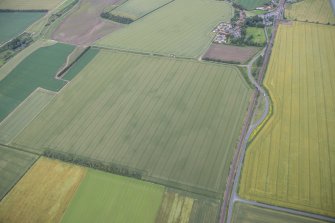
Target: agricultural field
229 53
74 31
182 28
13 164
80 64
319 11
291 161
178 208
161 116
14 23
29 4
104 197
24 114
257 35
135 9
36 70
19 57
245 213
251 4
43 194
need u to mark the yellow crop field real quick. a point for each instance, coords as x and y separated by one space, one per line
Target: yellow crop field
291 162
43 194
312 11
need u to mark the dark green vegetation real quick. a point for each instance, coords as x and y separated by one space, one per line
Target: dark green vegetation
9 49
246 213
14 23
80 64
175 120
37 70
13 164
251 4
116 18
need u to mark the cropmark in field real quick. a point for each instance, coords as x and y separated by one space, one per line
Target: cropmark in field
181 28
291 162
175 120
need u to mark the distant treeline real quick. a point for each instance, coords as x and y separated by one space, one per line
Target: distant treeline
116 18
24 10
220 61
95 164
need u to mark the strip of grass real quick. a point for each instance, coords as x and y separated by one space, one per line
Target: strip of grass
103 197
36 70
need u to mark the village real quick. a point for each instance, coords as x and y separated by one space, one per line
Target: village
226 31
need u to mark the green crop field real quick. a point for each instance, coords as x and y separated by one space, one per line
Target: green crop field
177 120
183 28
246 213
80 64
257 35
135 9
311 10
103 197
29 4
36 70
24 114
14 23
251 4
13 164
292 160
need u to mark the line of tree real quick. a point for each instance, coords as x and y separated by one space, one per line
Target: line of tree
91 163
220 61
116 18
58 14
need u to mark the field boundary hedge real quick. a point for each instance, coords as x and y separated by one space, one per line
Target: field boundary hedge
114 168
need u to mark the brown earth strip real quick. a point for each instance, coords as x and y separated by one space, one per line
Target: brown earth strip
227 53
43 194
84 25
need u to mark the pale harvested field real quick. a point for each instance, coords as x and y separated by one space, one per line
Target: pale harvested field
291 162
43 194
84 24
29 4
228 53
176 120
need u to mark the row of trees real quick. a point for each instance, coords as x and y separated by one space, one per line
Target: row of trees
18 43
116 18
95 164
